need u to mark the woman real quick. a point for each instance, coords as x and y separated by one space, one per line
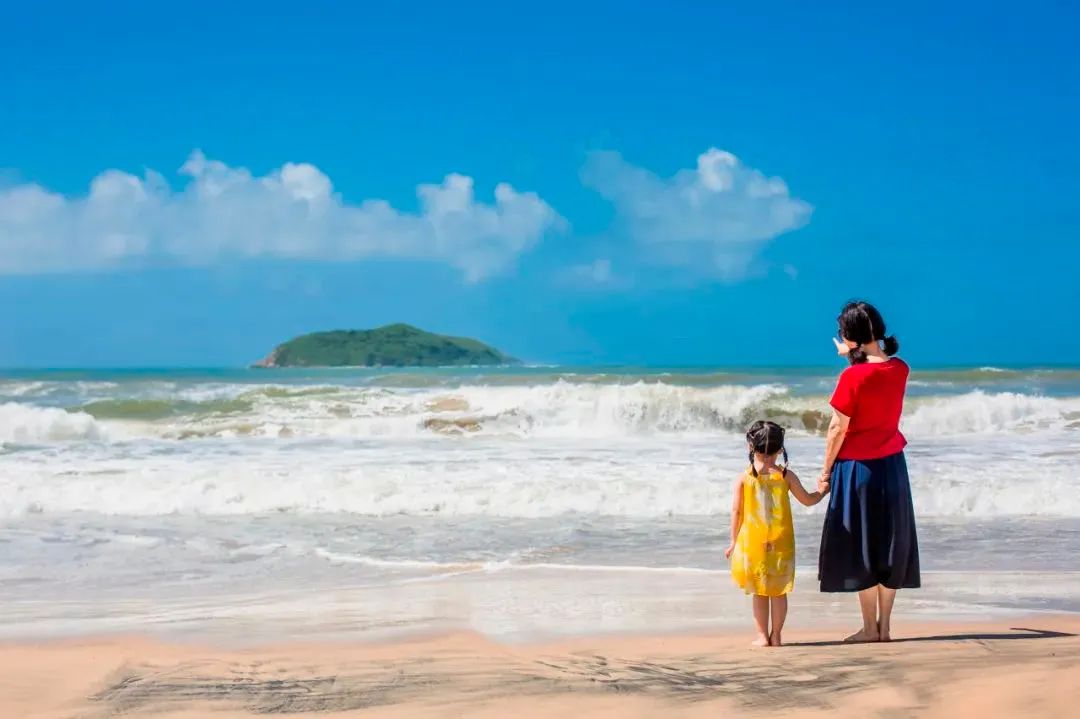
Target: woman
869 543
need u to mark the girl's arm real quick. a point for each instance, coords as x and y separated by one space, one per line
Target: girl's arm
808 499
833 439
736 516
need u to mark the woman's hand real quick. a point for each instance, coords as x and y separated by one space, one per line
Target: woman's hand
729 550
842 348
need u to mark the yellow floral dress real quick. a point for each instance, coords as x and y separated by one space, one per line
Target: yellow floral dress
763 561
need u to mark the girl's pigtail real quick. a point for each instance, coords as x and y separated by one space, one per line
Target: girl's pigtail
753 469
785 461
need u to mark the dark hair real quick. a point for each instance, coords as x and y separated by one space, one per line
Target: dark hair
766 438
861 322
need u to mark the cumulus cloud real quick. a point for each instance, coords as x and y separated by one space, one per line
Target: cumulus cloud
713 219
224 213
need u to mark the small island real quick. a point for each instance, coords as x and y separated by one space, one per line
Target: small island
397 345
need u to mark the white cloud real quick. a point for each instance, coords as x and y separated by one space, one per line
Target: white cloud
595 274
224 213
713 219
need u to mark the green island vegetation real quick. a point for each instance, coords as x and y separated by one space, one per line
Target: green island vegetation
397 345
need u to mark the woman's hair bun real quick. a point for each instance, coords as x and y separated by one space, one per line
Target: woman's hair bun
861 323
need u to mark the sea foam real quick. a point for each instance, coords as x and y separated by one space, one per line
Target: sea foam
22 423
558 409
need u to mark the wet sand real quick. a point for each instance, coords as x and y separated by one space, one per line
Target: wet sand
1012 668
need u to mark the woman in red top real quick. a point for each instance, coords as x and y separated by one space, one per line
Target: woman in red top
868 544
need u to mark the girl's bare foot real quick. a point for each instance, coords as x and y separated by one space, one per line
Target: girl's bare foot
862 637
761 641
774 641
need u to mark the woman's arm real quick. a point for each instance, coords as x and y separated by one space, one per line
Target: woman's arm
833 440
805 498
736 516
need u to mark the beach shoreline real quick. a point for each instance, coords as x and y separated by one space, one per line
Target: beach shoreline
318 543
1009 667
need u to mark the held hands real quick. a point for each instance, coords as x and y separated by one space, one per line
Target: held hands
823 481
729 550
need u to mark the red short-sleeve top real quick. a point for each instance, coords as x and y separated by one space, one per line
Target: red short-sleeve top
872 395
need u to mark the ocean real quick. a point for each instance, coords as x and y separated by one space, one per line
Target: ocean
519 502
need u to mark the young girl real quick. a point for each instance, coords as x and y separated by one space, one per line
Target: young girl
762 549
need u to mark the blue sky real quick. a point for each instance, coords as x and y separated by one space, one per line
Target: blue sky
699 185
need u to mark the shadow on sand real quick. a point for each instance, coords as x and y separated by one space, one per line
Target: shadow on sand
1014 633
758 682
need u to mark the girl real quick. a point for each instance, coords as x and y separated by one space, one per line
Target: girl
762 549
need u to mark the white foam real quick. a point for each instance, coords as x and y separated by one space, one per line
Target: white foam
575 410
26 423
559 409
614 569
407 564
979 412
553 410
509 565
22 389
643 449
646 477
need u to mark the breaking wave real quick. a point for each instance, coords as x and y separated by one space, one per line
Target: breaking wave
20 423
560 409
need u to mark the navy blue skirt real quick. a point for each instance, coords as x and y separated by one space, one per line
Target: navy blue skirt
869 536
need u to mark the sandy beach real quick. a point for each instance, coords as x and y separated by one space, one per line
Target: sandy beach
1008 669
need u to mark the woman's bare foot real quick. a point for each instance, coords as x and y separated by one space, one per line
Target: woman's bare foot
862 637
761 641
883 633
775 641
